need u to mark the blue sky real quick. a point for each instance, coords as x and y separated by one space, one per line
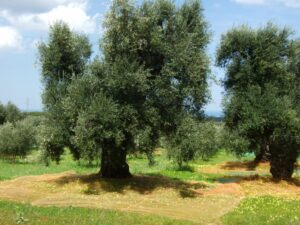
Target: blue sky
23 23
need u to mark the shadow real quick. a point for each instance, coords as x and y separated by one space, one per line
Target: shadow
185 168
256 177
249 165
141 184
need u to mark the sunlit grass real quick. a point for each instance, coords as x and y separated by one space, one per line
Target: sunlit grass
16 213
138 165
34 166
265 210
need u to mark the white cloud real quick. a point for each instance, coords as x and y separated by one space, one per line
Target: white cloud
251 2
287 3
33 6
10 38
291 3
73 12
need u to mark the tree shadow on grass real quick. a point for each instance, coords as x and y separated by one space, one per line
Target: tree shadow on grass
248 165
142 184
256 177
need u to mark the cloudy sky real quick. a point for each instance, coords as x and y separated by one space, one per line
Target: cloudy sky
23 23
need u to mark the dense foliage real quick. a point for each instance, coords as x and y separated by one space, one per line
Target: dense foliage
260 87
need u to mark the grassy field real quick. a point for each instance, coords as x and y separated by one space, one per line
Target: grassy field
265 210
33 166
223 190
138 165
15 213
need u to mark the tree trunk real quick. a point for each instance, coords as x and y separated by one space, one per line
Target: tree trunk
282 162
113 162
264 155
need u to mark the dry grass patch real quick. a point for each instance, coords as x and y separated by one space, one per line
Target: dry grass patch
146 194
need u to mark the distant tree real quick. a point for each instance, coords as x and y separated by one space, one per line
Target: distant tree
192 140
62 59
13 113
260 94
19 138
2 114
154 72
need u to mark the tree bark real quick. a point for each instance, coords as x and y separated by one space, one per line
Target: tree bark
282 162
264 155
113 162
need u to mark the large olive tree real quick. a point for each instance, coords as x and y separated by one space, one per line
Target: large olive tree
260 87
153 73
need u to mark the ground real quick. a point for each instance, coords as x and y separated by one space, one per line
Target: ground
213 192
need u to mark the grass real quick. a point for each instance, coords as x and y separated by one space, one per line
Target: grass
165 167
265 210
33 166
138 165
17 213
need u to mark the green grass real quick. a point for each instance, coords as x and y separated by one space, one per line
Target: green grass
138 165
165 167
33 166
16 213
224 156
265 211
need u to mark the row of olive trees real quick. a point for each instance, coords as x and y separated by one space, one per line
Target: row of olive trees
151 82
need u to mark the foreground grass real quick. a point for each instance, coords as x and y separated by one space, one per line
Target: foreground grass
265 210
15 213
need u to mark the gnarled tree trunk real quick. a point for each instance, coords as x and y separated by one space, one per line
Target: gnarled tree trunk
113 162
283 159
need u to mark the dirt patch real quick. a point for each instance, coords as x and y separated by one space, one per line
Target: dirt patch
259 186
145 194
244 168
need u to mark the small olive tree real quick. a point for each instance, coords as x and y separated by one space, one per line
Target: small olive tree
192 140
19 138
13 113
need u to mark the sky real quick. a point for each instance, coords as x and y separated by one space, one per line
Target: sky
24 23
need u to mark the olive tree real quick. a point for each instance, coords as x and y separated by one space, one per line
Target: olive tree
153 72
260 93
19 138
193 140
